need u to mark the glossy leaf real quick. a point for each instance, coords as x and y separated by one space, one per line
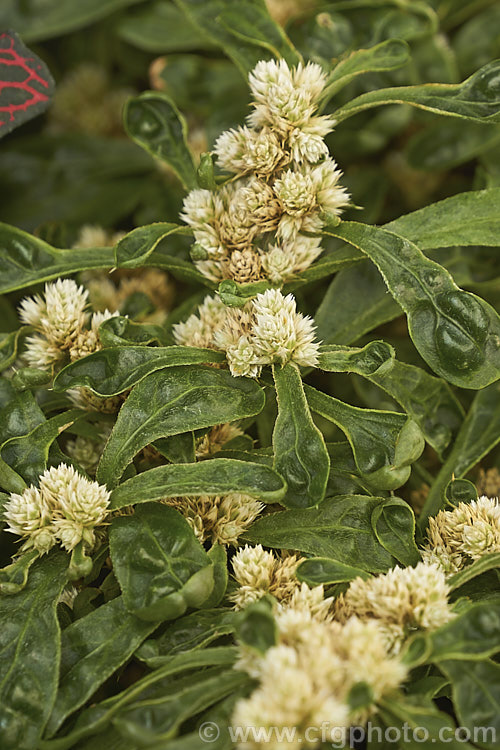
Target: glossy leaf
116 369
455 332
217 476
153 121
388 55
245 31
340 528
428 400
121 331
9 346
325 570
477 98
161 567
28 455
464 219
133 249
13 577
384 443
93 648
476 698
477 436
29 653
394 527
300 454
25 83
26 260
376 358
173 401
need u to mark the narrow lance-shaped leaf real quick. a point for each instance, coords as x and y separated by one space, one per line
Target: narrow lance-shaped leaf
153 121
173 401
457 333
161 566
300 454
217 476
376 358
384 443
30 653
25 83
477 436
388 55
340 528
325 570
9 346
133 249
477 98
93 647
478 567
245 30
116 369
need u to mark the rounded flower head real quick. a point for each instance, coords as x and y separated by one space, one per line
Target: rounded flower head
296 191
220 519
243 150
60 315
28 515
198 330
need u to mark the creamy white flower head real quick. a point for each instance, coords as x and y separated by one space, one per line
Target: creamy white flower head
306 147
85 452
330 196
296 192
28 516
285 98
253 566
220 519
258 572
87 341
243 150
61 314
199 208
409 598
41 353
199 329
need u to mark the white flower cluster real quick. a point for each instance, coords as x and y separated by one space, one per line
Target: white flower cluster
256 225
267 330
402 601
64 509
458 537
61 324
306 678
259 572
220 519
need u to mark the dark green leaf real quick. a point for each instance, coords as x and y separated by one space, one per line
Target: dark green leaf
161 567
376 358
14 576
339 528
29 653
92 649
160 27
173 401
389 55
256 627
217 476
116 369
178 449
394 527
460 491
9 346
477 98
300 454
384 443
133 249
476 698
121 331
153 121
454 331
325 570
478 567
477 436
218 557
450 143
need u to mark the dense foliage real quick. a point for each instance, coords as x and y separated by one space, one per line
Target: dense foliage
250 360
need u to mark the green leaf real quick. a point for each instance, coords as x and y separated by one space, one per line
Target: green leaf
245 31
384 443
450 143
460 491
153 121
472 636
454 331
300 454
28 454
161 567
13 577
464 219
133 249
256 627
190 632
26 260
173 401
388 55
476 698
218 557
93 648
477 98
477 436
340 528
177 449
325 570
58 17
29 653
9 346
478 567
428 400
376 358
111 371
216 476
160 27
394 527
